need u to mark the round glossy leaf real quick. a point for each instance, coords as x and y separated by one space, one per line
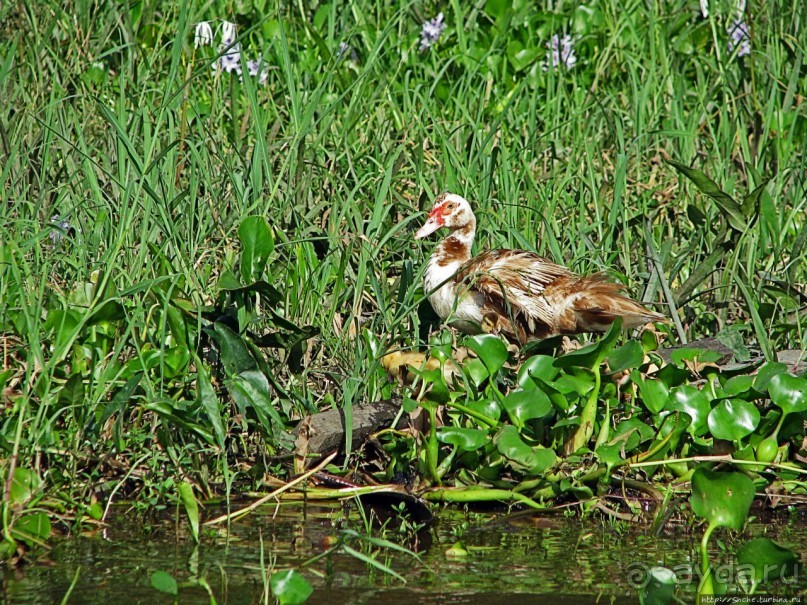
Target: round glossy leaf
476 371
610 455
766 372
723 499
768 560
23 486
35 525
789 393
627 357
649 341
290 587
738 385
490 349
733 419
653 393
441 345
692 402
488 408
164 582
534 460
638 431
537 366
526 405
467 440
593 354
660 586
580 383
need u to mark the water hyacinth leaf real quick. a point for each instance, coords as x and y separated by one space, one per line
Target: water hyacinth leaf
534 460
32 528
188 500
557 398
290 587
164 582
580 382
673 428
738 385
537 366
523 405
766 372
789 393
468 440
591 355
476 370
768 560
637 433
733 419
730 208
653 393
490 349
673 376
659 588
683 354
610 454
723 499
489 408
24 485
206 398
627 357
692 402
256 247
441 345
649 341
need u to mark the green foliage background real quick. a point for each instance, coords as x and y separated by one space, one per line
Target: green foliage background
113 121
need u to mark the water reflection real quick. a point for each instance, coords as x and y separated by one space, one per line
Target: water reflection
526 560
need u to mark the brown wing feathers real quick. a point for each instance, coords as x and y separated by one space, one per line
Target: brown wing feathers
526 297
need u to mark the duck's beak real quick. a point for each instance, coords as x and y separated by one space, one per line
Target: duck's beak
434 222
429 227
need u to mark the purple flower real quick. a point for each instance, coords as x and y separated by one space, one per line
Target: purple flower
257 68
739 37
61 228
431 32
560 53
230 61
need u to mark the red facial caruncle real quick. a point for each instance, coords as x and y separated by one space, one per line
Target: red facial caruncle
437 219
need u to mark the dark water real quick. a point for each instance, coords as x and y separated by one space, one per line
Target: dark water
526 560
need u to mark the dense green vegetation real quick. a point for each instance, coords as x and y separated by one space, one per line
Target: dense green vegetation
191 261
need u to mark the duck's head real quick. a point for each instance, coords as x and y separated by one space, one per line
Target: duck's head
449 210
